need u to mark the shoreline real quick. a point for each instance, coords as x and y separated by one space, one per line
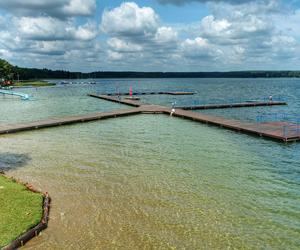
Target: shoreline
34 231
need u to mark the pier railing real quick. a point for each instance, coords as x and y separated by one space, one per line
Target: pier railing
278 117
291 130
124 90
199 101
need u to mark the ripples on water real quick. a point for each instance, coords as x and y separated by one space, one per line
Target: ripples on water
152 181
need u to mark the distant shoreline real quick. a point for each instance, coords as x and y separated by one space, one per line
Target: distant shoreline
32 73
32 84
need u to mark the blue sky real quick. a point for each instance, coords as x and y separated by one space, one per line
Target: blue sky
156 35
169 13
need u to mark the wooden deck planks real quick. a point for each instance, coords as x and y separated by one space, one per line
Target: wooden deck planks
133 103
231 105
14 128
151 93
278 131
282 131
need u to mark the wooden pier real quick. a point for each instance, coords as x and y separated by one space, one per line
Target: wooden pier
281 131
151 93
133 103
232 105
54 122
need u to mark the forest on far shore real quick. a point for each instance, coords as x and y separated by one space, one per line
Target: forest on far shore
7 71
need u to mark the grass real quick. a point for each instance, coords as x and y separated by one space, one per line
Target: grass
20 210
32 84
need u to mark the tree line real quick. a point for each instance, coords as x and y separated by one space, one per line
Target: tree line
9 72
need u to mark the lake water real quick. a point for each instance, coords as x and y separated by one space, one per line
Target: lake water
156 182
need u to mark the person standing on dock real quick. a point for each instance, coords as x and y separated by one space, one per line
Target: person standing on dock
118 93
270 98
173 108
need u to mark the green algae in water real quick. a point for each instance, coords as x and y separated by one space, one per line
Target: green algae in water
152 181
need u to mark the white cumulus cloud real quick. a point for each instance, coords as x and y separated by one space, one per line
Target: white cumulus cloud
49 28
120 45
130 20
55 8
166 35
234 35
200 48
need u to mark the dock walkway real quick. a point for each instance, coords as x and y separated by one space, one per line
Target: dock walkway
133 103
281 131
54 122
151 93
232 105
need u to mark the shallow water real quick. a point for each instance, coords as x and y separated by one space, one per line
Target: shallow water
152 181
51 102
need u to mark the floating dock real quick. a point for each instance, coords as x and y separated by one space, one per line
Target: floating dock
280 131
152 93
231 105
54 122
133 103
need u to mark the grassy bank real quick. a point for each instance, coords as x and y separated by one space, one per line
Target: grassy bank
20 210
32 84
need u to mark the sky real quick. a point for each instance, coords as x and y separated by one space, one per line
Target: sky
151 35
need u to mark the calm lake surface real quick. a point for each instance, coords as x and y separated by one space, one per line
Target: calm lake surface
159 182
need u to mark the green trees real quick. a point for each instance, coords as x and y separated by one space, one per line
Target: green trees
5 70
9 72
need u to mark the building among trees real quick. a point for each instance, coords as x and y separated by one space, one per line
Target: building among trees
6 73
